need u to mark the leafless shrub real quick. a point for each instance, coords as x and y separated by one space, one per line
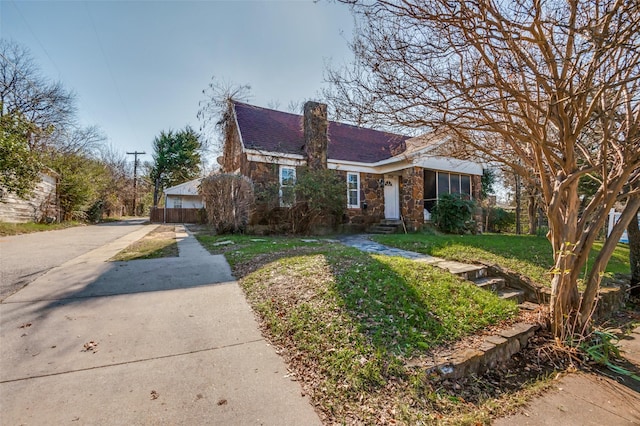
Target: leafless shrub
229 199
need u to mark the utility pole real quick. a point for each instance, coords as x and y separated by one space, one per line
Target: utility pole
135 177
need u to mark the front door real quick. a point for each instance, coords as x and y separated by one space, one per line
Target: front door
391 197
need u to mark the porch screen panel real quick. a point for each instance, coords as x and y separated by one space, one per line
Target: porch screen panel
455 184
465 185
443 183
430 192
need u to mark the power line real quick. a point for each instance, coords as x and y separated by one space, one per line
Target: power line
110 70
26 23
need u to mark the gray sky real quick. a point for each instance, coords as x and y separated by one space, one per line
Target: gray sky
139 67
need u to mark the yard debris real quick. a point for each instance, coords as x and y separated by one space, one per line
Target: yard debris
25 325
222 402
223 243
154 394
258 240
90 347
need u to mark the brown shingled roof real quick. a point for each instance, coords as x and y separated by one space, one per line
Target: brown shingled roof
265 129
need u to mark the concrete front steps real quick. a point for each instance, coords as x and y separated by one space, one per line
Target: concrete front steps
495 349
479 275
386 226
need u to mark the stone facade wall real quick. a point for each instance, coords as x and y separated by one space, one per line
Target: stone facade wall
476 187
265 180
315 134
411 197
371 195
232 150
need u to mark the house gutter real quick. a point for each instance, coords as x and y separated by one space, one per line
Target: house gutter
388 165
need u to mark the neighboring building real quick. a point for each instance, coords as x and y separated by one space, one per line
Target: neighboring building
40 206
184 196
614 217
388 176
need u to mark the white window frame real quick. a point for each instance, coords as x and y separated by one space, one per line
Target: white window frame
177 202
458 176
357 189
280 179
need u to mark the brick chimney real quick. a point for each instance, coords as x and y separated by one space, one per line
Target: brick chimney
315 134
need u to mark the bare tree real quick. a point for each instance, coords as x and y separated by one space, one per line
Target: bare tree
544 86
214 108
119 192
43 103
77 140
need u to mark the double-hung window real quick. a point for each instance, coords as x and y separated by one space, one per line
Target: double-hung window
287 182
353 190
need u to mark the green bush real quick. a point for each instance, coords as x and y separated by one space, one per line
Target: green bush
319 199
94 213
454 214
501 220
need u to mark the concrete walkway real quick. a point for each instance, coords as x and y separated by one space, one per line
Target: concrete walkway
364 243
587 399
162 341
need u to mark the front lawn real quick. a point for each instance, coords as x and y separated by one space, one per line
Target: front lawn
347 321
159 243
527 254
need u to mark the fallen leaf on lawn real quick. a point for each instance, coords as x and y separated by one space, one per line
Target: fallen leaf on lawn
222 402
90 346
25 325
154 394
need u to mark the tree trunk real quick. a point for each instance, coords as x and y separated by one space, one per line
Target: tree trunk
633 231
518 206
594 276
564 237
564 294
156 189
533 220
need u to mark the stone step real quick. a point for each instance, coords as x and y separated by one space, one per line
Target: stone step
529 306
490 283
381 229
509 293
387 226
463 270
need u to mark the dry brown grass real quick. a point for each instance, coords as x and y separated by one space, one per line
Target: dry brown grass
161 242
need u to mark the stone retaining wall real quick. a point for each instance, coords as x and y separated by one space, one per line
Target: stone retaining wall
611 296
493 351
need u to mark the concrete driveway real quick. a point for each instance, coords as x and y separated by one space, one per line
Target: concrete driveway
165 341
23 258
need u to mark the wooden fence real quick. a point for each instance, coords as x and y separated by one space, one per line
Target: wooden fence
175 215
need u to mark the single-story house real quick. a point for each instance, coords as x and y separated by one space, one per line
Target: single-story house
388 176
184 196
